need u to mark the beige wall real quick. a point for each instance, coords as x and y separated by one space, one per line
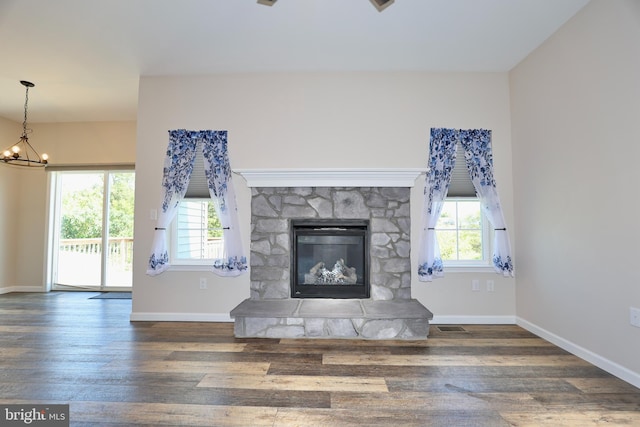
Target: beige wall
9 215
66 143
314 120
575 110
87 142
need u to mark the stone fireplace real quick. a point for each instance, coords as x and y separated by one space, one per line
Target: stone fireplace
344 248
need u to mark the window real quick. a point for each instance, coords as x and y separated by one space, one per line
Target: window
462 230
91 227
196 233
463 233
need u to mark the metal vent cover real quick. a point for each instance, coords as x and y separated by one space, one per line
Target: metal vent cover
451 329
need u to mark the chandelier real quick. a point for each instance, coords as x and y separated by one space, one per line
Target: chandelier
22 153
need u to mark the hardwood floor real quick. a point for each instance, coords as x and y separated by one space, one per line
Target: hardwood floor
63 347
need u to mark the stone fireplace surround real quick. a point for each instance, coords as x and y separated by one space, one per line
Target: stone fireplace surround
380 195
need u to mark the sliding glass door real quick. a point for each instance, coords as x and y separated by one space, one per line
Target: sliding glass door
92 229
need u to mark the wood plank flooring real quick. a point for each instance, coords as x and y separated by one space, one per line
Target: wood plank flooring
63 347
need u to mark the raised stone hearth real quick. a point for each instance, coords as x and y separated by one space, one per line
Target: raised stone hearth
389 313
322 318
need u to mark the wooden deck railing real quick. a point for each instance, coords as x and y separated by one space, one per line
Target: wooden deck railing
120 248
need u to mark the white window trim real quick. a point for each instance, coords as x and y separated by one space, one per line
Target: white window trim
190 267
468 269
468 266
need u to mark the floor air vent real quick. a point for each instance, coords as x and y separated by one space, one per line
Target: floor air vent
451 329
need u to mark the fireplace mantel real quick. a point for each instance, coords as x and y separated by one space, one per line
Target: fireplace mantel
368 177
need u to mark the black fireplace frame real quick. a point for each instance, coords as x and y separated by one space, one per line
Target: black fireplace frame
329 227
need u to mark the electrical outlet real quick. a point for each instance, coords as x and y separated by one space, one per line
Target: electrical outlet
203 283
634 316
475 285
490 286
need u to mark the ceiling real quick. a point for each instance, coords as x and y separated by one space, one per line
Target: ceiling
85 56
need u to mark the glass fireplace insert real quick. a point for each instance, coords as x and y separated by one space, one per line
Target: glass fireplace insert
329 258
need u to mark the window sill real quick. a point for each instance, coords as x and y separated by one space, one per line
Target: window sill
468 269
190 267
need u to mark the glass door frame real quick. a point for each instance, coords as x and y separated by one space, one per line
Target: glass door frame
53 227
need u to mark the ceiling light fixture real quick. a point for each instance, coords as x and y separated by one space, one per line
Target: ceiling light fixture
22 153
381 4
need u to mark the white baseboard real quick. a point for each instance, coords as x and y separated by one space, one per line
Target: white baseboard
473 320
10 289
612 367
180 317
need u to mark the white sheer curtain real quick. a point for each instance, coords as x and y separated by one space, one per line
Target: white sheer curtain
442 157
218 172
479 158
178 166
